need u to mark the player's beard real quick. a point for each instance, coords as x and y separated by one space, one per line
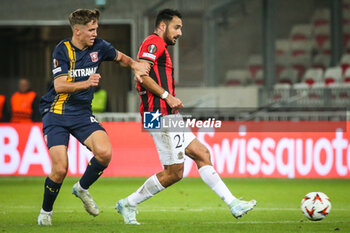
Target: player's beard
168 40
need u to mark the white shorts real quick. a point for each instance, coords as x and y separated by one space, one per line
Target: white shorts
171 144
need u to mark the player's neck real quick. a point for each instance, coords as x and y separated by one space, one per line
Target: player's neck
75 41
159 33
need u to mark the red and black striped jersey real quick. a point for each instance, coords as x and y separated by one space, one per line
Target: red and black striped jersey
154 50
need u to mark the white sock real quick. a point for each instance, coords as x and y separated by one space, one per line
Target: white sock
42 211
150 188
213 180
81 188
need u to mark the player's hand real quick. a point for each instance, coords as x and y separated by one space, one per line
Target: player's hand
138 79
93 80
174 102
140 69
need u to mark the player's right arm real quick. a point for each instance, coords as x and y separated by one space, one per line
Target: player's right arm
60 71
63 86
149 84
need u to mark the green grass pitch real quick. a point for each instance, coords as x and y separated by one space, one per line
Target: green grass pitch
189 206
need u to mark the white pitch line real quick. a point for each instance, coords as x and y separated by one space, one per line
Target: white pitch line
155 209
276 222
224 209
215 208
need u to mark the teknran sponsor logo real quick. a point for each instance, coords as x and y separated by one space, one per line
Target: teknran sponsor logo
82 72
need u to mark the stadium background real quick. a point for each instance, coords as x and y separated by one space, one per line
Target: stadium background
222 39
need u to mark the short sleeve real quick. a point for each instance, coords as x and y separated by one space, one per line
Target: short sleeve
151 50
109 52
60 63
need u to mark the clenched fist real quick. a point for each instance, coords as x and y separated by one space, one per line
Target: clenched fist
93 80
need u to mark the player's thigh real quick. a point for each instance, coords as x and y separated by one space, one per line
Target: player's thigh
82 127
90 133
59 159
55 131
171 146
197 151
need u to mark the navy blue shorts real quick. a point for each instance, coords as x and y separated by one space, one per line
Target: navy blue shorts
57 128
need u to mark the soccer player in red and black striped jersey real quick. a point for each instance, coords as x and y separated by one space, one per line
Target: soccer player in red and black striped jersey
154 50
157 92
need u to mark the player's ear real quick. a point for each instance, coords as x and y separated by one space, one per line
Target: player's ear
162 26
76 30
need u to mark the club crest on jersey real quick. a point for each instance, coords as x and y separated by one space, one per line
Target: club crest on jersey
55 63
152 48
94 56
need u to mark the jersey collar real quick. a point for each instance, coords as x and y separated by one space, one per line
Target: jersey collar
166 45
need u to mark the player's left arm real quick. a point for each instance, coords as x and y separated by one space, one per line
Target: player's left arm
139 68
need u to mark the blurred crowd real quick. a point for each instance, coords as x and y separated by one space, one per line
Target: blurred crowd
23 105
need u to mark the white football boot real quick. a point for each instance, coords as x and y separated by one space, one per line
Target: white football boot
45 218
89 204
239 208
127 212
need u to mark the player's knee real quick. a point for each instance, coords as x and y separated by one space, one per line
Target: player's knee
103 154
59 173
206 155
177 175
203 157
173 174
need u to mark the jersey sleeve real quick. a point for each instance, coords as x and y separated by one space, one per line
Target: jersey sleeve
151 50
109 52
60 63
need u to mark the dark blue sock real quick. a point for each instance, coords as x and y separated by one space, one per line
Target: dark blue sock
50 194
93 171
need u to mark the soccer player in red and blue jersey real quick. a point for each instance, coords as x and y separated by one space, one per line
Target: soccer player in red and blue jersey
157 92
66 108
